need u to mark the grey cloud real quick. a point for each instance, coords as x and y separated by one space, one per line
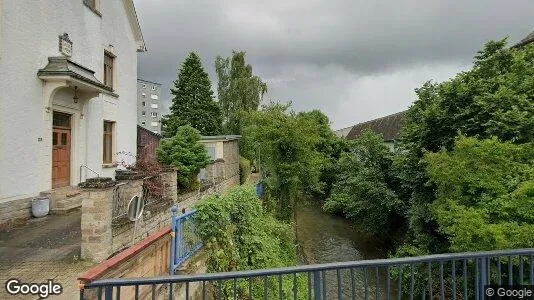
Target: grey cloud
315 52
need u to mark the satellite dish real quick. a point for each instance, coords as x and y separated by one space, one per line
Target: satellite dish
135 208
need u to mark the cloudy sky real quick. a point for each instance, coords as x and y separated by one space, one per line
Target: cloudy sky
353 59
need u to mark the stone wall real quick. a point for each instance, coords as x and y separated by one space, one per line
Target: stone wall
15 212
103 236
231 158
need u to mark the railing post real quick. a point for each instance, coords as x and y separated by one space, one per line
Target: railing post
317 285
174 209
483 279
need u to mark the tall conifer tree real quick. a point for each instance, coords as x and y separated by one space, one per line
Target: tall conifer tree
193 101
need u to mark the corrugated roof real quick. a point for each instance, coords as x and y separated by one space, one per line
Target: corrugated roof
388 126
527 40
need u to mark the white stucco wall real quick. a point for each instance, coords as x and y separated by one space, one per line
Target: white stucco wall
29 33
218 145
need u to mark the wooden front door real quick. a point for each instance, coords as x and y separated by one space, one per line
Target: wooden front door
61 150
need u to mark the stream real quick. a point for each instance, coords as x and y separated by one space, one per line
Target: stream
325 238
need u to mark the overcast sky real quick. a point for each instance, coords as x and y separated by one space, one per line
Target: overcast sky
353 59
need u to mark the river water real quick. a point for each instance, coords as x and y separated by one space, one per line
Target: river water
324 238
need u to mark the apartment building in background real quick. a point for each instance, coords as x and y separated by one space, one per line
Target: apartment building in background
149 106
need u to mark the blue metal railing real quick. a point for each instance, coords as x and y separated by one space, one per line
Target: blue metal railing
185 242
441 276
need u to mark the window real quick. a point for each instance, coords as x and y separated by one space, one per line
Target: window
143 122
153 105
108 69
143 95
143 103
153 87
155 131
144 86
154 97
154 115
154 124
143 113
108 142
211 152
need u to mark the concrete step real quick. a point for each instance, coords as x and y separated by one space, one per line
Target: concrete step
65 199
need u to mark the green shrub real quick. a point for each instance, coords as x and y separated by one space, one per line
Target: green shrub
244 169
185 152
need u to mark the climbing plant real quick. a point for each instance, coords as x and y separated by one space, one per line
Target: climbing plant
239 235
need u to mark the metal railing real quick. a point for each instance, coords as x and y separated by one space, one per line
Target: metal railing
185 242
441 276
87 168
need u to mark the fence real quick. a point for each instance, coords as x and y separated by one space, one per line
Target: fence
152 191
185 242
442 276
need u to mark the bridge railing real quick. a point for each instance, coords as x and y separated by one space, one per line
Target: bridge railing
185 242
441 276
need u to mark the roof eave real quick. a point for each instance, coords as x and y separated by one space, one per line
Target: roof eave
134 23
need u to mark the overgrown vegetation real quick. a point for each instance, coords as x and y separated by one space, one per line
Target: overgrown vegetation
244 169
186 153
364 189
494 99
294 150
239 234
485 194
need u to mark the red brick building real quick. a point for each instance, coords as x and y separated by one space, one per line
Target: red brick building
147 143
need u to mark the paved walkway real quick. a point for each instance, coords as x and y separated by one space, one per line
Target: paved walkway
46 248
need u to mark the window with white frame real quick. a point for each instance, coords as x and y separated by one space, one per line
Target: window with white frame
144 86
154 105
154 97
153 87
143 113
143 122
154 114
143 103
143 95
154 124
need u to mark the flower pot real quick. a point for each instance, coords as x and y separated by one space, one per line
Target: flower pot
40 206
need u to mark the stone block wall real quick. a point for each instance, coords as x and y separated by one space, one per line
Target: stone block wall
231 158
97 210
102 236
15 212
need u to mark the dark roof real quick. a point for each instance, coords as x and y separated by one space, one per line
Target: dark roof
230 137
62 66
388 126
527 40
148 81
149 131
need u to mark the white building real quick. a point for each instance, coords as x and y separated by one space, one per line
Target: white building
68 75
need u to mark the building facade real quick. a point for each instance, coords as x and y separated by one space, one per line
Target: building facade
149 108
68 74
